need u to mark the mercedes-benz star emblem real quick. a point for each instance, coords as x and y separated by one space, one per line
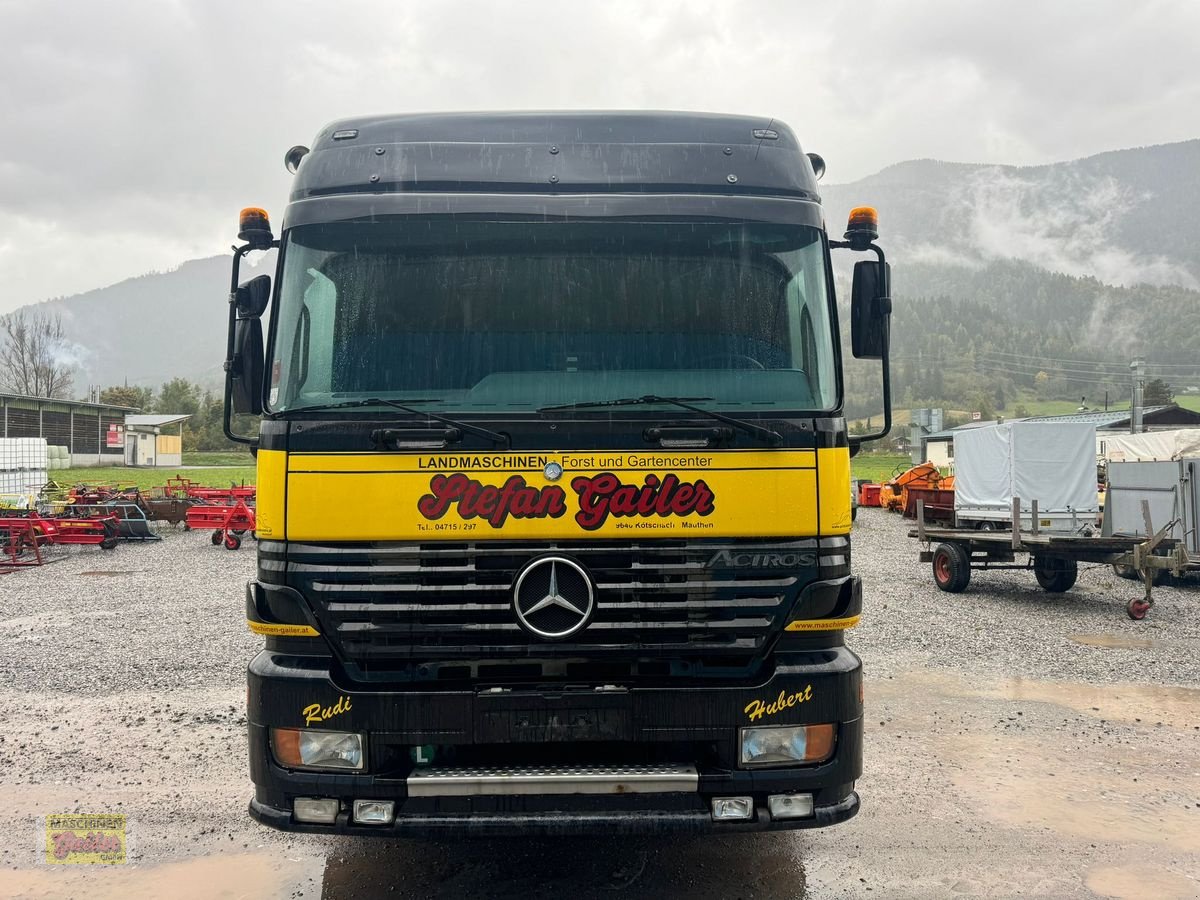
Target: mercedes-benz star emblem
553 598
553 471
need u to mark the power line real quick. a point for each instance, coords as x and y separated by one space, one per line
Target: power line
1058 359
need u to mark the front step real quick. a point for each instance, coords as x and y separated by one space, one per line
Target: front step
492 781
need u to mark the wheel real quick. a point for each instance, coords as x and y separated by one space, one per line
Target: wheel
232 542
238 531
1055 573
109 543
1125 571
1137 609
951 567
216 538
187 527
987 526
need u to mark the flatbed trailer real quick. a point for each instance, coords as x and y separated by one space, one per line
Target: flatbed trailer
1054 557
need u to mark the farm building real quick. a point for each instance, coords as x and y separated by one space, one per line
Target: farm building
154 440
83 434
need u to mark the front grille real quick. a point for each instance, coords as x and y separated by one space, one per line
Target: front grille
390 605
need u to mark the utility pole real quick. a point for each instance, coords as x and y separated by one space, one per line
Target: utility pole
1138 368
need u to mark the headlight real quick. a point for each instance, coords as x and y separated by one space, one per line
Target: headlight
786 745
303 749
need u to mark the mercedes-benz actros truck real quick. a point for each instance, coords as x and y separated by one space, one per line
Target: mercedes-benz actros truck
553 508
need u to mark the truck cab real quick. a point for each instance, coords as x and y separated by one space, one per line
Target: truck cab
553 479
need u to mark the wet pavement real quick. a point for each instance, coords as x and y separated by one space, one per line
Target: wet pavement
981 778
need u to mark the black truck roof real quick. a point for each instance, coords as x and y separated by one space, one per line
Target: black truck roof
556 152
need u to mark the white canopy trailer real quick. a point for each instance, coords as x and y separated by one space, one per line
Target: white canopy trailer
1052 464
1153 446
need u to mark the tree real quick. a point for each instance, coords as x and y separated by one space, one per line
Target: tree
36 357
179 396
1157 393
123 395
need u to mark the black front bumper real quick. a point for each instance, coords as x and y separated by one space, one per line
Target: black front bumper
288 691
568 823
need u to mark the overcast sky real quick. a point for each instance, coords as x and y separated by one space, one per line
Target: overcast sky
134 131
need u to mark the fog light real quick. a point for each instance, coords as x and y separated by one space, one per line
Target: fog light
318 810
786 745
374 812
304 749
732 807
790 806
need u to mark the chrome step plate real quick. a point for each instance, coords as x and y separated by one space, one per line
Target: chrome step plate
489 781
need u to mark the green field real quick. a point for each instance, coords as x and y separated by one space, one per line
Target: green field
878 467
219 458
122 476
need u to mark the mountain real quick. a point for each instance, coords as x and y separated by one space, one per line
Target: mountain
1093 259
1124 217
149 329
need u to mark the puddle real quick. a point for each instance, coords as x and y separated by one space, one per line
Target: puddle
700 868
1147 704
232 875
1130 882
1114 641
1178 707
1052 771
1079 789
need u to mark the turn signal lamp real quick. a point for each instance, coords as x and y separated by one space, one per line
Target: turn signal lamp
255 228
862 227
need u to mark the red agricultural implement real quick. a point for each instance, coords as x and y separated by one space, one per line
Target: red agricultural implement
185 487
20 534
228 521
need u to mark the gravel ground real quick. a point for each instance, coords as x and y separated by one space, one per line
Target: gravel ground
1019 744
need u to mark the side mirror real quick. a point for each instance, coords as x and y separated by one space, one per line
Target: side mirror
252 297
870 307
246 367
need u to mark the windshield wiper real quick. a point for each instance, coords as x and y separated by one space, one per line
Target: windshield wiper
774 438
494 436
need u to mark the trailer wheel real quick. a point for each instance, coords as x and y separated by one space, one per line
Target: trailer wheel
217 537
109 543
951 568
987 526
1125 571
1055 573
1137 609
232 542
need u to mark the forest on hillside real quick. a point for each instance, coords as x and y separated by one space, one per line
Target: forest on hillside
978 338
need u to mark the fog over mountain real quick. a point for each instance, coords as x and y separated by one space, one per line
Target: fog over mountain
994 239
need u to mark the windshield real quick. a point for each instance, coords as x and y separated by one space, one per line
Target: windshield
515 315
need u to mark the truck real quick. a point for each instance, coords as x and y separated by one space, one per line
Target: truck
553 478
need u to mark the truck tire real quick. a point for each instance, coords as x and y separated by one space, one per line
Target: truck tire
1055 573
951 568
